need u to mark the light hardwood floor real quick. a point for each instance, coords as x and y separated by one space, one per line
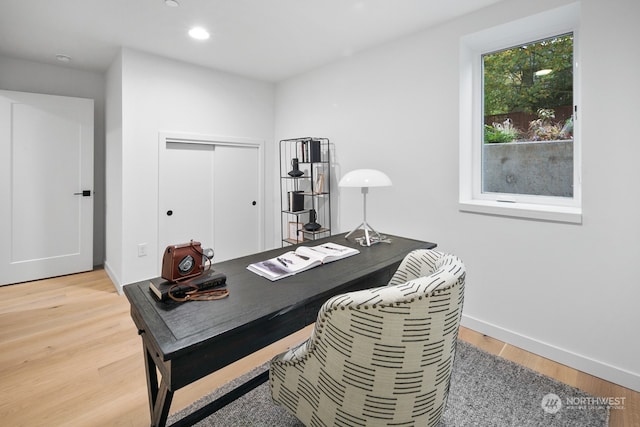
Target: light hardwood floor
70 356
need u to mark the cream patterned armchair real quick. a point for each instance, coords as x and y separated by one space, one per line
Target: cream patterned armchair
380 356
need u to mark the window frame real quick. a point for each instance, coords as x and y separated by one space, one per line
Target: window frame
472 46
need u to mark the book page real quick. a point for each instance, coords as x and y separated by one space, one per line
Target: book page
302 259
270 269
297 261
327 252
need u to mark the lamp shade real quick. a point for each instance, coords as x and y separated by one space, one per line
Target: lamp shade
365 178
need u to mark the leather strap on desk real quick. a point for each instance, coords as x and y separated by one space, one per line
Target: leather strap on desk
199 295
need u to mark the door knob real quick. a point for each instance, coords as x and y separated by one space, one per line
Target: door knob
253 203
83 193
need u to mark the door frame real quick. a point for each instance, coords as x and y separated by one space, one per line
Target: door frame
165 137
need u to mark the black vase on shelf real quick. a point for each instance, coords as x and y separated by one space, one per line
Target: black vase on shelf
296 172
312 225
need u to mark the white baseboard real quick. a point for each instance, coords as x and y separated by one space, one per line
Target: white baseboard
114 278
582 363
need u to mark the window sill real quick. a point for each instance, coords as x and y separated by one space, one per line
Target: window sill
566 214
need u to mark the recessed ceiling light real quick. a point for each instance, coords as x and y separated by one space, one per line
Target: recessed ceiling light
171 3
199 33
63 58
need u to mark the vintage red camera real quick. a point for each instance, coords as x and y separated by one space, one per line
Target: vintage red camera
183 261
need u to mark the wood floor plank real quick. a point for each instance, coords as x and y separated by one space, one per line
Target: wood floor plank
70 355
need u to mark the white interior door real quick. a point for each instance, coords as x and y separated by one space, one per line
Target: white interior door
236 202
210 192
46 190
186 195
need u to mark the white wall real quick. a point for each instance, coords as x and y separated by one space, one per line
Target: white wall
28 76
568 292
158 94
113 166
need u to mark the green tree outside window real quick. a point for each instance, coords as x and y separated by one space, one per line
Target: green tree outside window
533 81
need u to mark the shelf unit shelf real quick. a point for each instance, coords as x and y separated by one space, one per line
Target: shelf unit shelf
305 189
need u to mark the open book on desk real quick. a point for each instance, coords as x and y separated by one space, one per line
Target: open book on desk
303 258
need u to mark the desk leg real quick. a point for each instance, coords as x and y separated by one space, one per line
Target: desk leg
159 397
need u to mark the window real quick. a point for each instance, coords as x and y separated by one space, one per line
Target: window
528 119
519 132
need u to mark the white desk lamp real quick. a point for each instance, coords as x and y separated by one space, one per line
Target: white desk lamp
365 178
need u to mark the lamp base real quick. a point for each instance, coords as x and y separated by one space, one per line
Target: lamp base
369 233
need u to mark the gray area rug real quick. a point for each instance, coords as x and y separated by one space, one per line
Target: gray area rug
485 391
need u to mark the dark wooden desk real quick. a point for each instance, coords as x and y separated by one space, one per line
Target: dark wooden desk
187 341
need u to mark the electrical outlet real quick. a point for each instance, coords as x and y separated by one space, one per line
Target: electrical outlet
142 249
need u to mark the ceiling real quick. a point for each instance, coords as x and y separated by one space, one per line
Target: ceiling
269 40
